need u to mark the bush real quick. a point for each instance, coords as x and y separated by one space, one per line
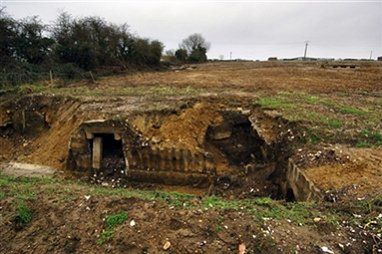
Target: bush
181 55
71 46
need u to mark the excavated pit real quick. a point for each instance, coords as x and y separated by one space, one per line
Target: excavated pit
209 145
227 150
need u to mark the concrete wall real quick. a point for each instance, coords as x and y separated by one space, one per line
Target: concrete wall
144 161
303 188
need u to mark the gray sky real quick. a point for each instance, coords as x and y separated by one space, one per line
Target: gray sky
250 29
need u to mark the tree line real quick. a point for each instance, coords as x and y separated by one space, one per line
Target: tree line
90 43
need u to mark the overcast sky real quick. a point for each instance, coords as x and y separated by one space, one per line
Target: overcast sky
248 29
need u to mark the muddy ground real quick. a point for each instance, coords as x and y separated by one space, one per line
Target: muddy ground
333 121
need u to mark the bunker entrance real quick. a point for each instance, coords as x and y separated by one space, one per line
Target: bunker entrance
236 139
107 153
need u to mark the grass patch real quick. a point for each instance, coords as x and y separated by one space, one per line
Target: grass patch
111 222
159 91
31 88
217 202
262 208
171 198
312 136
114 220
275 103
2 195
351 110
334 123
369 138
22 192
373 136
363 144
24 215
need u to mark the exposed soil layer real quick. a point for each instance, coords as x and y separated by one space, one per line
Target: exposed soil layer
186 130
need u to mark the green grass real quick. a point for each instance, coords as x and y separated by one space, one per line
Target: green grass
2 195
24 214
262 208
275 102
328 116
352 110
114 220
363 144
111 222
369 138
373 136
31 88
334 123
171 198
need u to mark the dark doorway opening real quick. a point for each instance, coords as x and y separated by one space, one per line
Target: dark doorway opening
113 160
289 197
242 145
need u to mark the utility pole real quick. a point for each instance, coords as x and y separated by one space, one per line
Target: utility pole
230 55
306 48
371 54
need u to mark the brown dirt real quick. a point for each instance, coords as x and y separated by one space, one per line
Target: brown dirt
7 148
186 130
265 76
359 177
73 224
51 147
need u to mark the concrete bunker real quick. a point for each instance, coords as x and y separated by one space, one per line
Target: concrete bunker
251 147
98 146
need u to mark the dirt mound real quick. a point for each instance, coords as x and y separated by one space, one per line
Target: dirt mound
186 130
51 147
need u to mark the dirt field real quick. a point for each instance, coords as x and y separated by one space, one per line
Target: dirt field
326 121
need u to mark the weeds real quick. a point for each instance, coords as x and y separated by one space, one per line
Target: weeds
2 195
218 227
23 215
111 222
